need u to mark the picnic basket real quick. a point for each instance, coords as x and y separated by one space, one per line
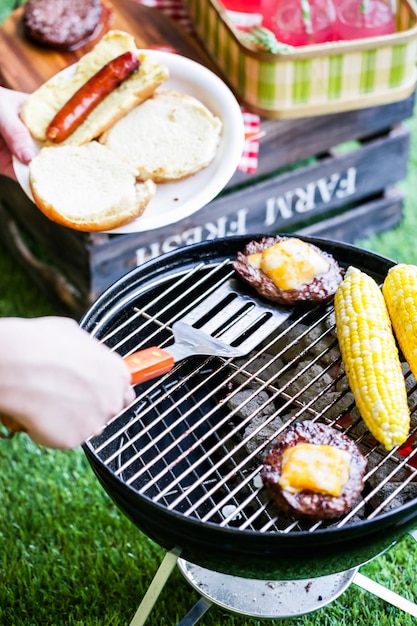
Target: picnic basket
315 79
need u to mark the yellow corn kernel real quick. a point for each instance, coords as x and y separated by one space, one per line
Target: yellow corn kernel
371 358
316 467
400 293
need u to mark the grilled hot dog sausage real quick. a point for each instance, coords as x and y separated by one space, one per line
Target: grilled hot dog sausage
87 97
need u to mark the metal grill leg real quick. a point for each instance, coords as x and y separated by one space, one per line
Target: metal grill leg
195 613
158 582
385 594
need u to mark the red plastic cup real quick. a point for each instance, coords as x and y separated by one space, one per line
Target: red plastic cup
240 6
285 18
244 14
356 19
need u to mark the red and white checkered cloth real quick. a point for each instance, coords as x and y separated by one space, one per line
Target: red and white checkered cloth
174 9
249 160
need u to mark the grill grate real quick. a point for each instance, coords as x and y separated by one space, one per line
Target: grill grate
193 441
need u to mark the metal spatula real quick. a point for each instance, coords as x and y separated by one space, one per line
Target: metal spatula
226 323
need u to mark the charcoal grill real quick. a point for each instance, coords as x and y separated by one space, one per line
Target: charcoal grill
183 461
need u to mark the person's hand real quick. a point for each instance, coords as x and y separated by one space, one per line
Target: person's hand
59 383
15 138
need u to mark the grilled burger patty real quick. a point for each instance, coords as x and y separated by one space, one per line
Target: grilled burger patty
320 289
308 503
61 24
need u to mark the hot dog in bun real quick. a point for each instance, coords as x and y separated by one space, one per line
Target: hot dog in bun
113 97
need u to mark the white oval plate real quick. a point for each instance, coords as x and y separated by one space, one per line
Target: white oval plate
174 202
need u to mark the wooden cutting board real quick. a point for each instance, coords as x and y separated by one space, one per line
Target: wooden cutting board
24 66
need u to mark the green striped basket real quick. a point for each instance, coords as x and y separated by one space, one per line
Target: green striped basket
316 79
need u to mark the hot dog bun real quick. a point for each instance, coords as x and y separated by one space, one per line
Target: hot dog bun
87 188
167 138
42 105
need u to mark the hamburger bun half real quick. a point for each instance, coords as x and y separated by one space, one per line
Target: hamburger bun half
87 188
42 105
167 138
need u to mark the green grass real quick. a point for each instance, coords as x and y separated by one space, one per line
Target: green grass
6 6
68 557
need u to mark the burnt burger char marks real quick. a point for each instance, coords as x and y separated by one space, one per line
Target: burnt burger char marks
61 24
320 289
308 503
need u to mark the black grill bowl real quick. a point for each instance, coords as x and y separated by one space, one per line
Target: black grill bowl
250 553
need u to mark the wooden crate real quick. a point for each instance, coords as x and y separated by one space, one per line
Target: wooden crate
309 181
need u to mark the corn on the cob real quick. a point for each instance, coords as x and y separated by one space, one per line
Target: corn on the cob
400 293
371 358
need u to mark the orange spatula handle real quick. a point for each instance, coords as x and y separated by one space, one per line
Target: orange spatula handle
148 363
